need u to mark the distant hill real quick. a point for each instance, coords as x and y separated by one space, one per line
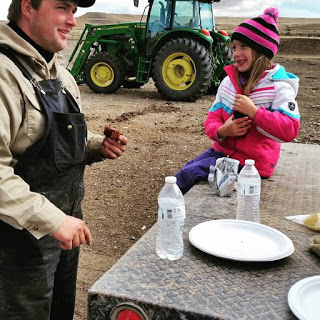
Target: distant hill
288 26
301 27
98 18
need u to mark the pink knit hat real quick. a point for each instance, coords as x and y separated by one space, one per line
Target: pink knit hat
260 33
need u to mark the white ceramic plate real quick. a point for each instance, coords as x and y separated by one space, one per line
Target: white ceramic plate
240 240
304 298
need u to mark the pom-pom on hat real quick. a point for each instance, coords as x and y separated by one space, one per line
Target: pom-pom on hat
260 33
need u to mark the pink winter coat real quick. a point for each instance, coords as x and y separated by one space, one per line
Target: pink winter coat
277 119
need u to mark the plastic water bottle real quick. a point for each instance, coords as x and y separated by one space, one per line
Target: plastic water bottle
248 193
171 216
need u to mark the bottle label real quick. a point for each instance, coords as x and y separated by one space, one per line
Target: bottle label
249 189
172 213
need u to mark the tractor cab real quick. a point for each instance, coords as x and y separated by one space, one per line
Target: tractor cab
175 14
184 16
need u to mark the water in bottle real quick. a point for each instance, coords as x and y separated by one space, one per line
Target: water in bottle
171 216
248 193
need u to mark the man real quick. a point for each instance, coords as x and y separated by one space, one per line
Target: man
44 147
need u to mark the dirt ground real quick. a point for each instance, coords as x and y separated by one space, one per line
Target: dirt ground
120 204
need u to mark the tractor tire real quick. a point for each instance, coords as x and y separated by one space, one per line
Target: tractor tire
182 70
104 73
132 84
227 57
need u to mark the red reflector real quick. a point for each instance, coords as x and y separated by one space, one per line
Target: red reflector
128 315
206 32
224 33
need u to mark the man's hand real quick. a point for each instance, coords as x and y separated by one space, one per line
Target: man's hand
235 128
112 148
72 232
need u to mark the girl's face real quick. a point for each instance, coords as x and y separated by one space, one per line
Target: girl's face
242 55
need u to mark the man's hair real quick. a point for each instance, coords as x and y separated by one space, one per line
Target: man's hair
14 13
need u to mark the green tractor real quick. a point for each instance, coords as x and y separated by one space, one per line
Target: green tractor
178 46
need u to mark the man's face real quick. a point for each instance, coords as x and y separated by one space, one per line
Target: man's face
51 24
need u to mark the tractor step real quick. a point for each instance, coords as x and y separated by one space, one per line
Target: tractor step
143 70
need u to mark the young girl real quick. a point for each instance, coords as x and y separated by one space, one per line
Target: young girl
255 107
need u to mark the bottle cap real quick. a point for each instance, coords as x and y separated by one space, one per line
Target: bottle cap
249 162
171 179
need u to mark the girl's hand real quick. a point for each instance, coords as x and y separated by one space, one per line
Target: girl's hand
245 105
235 127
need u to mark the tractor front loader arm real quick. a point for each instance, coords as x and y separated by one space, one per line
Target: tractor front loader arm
80 53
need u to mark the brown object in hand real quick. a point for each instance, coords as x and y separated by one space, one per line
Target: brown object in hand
111 132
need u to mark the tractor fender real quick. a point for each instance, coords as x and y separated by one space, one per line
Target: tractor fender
221 37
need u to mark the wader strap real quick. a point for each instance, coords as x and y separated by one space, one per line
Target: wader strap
6 50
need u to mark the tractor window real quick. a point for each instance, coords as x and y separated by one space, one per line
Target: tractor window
159 18
207 18
186 14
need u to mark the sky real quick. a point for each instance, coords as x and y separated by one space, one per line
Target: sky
227 8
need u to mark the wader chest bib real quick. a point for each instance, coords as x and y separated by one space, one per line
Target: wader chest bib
36 275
